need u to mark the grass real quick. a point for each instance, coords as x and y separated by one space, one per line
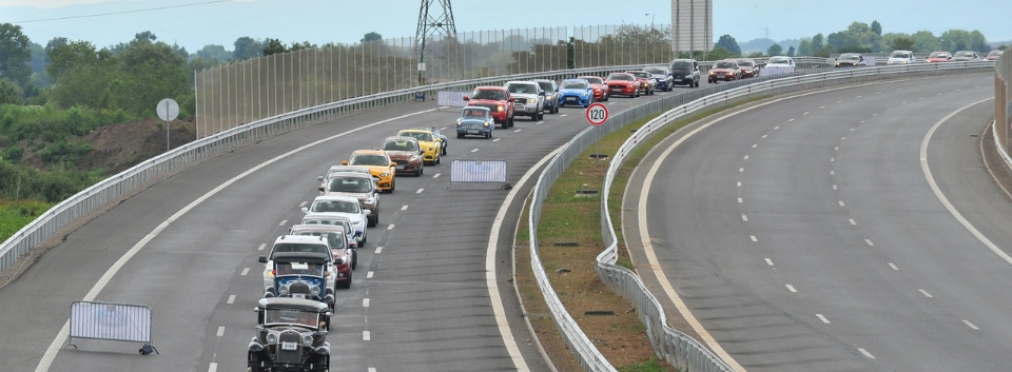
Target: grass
16 214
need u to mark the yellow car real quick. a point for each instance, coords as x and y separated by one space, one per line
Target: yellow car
432 146
380 166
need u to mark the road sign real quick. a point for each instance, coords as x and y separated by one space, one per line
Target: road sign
167 109
597 114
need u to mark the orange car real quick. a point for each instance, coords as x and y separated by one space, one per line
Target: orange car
380 166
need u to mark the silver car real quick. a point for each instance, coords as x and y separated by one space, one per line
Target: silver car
529 99
340 205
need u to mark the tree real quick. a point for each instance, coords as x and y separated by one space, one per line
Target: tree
372 36
214 52
805 48
82 75
728 42
15 52
817 42
925 41
774 50
719 53
10 93
876 28
146 35
274 46
825 52
246 48
904 43
790 51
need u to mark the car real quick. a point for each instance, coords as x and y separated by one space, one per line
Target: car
900 57
444 144
359 186
475 121
725 70
406 152
850 60
576 92
965 56
624 84
380 166
551 94
342 205
342 168
497 99
600 88
432 145
994 55
354 236
662 76
345 258
939 56
649 84
291 335
529 98
685 71
780 62
316 285
748 67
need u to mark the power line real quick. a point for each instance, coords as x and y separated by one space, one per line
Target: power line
123 12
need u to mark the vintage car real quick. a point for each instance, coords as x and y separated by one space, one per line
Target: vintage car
341 205
406 152
359 186
354 236
576 92
685 71
345 258
528 98
432 145
551 94
649 84
497 99
302 275
662 76
726 70
475 121
600 88
850 60
939 56
379 164
291 336
297 244
748 67
623 84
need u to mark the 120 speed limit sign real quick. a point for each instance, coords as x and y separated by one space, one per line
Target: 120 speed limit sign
597 114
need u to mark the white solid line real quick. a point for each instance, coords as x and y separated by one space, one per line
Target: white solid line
283 222
475 150
754 239
517 131
419 191
841 204
941 197
390 227
741 170
365 302
968 324
496 140
746 157
368 275
870 244
366 336
822 318
437 175
739 183
49 356
866 353
303 204
925 293
744 218
213 367
379 249
262 246
852 222
791 288
404 208
769 261
892 265
221 331
246 271
740 201
563 115
231 299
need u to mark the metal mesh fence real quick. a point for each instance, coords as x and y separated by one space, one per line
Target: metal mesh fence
1003 100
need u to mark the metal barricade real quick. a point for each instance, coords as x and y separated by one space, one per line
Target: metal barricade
110 321
478 172
450 99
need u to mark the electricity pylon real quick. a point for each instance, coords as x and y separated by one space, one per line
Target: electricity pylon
435 19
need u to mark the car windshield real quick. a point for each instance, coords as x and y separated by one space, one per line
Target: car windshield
522 89
298 247
395 145
369 159
900 55
656 70
335 239
326 221
640 74
339 206
470 113
290 316
745 63
964 54
592 79
421 136
545 85
625 77
779 60
299 268
350 184
724 64
939 55
681 66
994 53
850 57
494 94
574 84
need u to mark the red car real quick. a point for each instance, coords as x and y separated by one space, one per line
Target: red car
649 84
939 57
726 70
497 99
600 88
624 84
748 67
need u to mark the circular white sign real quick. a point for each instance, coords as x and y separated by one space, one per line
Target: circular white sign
597 114
167 109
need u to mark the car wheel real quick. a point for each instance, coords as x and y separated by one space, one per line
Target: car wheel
418 173
439 159
541 115
372 221
393 185
512 121
443 152
365 238
555 108
460 135
354 260
347 283
606 98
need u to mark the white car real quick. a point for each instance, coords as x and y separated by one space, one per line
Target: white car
965 56
528 98
354 237
780 61
292 243
900 57
341 205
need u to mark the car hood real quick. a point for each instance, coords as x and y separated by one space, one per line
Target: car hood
524 95
723 69
401 154
360 196
573 91
486 101
623 82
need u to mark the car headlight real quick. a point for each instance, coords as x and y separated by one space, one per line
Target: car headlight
713 72
359 222
499 108
307 340
272 338
459 123
315 291
413 158
549 96
486 123
370 200
583 94
283 290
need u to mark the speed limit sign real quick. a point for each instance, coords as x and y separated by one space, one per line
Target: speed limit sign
597 114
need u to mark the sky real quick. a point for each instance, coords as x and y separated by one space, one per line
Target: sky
195 23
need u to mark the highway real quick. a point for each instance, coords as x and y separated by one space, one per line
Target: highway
187 246
853 229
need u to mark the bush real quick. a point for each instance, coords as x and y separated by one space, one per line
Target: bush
21 182
13 154
63 151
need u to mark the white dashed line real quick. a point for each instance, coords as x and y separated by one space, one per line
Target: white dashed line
739 183
517 131
806 113
283 222
754 145
791 288
842 204
852 222
776 127
834 187
921 98
379 249
832 173
925 293
213 367
858 97
221 331
366 336
822 107
852 129
538 123
744 218
496 140
262 246
443 128
870 244
437 175
866 353
837 148
303 204
843 138
368 275
563 115
769 262
740 201
419 191
968 324
404 208
832 160
231 299
365 302
245 271
822 318
371 369
741 170
790 120
894 267
475 150
390 227
765 135
862 122
754 239
878 92
746 157
873 115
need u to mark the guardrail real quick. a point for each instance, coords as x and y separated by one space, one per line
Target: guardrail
670 344
1003 102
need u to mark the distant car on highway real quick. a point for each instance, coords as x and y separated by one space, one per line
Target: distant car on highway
291 335
994 55
358 185
345 257
649 84
624 84
430 142
379 164
939 56
497 99
576 92
600 88
528 99
900 57
354 236
685 71
724 70
551 94
965 56
850 60
663 77
475 121
748 67
344 206
406 152
780 61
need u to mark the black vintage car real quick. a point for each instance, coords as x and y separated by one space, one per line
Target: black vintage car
302 275
291 336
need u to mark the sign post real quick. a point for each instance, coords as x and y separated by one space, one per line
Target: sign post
597 115
167 110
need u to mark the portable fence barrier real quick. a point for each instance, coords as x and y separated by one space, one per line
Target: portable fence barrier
478 172
112 322
450 99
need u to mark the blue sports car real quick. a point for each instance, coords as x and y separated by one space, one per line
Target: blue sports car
576 91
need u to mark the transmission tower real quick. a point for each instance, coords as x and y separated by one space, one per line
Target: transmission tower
435 20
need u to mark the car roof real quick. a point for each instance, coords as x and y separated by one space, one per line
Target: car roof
480 108
325 216
335 197
318 228
369 152
348 168
400 138
343 173
299 239
490 87
271 303
426 130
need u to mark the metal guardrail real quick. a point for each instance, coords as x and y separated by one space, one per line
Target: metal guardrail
1003 101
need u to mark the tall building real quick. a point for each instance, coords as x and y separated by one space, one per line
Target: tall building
691 25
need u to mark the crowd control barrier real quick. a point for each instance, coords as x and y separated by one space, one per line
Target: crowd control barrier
110 321
478 172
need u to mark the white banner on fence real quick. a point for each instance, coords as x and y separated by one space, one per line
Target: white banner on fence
451 99
116 322
476 170
767 71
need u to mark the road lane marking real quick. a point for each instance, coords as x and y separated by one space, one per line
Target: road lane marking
262 246
866 353
390 227
858 97
475 150
870 244
806 112
790 120
765 135
925 293
283 222
739 183
496 140
517 131
754 239
246 271
852 129
834 187
852 222
368 275
741 170
968 324
791 288
419 191
822 318
894 267
404 208
365 302
776 127
740 201
437 175
366 336
539 123
841 204
443 128
755 145
371 369
843 138
832 160
563 115
379 249
746 157
823 106
744 218
221 331
837 148
303 204
832 173
213 367
769 261
231 299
